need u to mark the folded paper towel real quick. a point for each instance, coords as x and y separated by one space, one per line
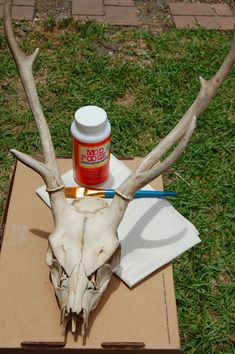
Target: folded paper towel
152 233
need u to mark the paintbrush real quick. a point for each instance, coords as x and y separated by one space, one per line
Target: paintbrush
77 192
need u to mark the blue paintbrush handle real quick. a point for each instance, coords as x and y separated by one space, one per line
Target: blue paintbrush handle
109 193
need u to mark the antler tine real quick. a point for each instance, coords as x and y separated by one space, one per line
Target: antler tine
149 175
140 179
49 169
148 170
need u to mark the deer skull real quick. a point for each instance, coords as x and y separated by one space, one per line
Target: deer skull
83 253
84 249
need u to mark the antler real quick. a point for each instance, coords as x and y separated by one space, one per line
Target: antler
149 169
49 170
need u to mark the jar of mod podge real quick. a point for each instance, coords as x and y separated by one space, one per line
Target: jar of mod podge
91 132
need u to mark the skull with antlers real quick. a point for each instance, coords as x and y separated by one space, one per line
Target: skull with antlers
83 250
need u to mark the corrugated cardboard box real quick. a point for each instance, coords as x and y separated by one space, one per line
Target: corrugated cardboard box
143 318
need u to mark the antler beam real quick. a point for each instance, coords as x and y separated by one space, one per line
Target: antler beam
148 170
49 170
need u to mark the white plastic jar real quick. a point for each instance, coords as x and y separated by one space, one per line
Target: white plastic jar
91 132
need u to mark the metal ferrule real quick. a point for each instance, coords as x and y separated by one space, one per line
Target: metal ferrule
94 193
78 192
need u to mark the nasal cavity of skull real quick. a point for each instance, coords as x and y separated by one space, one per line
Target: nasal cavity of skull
92 281
63 281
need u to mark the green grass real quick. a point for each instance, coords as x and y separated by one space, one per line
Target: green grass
145 82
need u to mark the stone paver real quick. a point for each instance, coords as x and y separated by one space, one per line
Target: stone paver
226 23
222 9
24 2
121 15
184 21
216 22
190 9
88 7
119 3
208 22
210 16
117 12
23 12
21 2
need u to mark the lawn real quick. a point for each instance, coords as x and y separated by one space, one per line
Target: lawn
145 82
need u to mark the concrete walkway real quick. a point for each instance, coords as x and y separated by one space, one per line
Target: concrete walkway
116 12
210 16
22 9
124 13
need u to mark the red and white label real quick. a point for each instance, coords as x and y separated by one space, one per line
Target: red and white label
91 157
91 161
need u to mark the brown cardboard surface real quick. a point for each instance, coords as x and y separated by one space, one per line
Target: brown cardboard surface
28 308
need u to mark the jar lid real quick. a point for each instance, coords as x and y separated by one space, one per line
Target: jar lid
90 119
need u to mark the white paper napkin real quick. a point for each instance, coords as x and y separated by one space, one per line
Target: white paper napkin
152 232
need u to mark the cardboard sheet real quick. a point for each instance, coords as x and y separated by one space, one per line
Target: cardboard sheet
28 308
